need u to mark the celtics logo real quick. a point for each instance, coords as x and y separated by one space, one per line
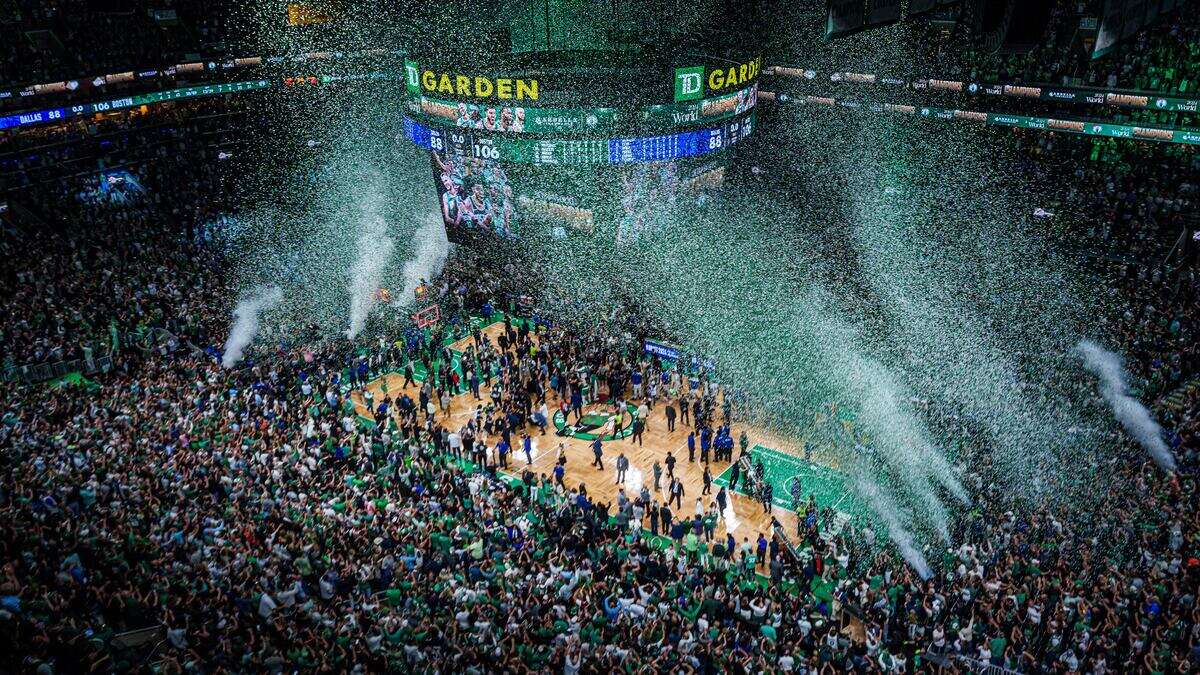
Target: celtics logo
598 421
794 487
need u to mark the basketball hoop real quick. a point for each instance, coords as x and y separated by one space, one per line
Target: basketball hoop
427 317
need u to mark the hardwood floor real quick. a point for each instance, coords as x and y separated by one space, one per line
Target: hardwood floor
744 517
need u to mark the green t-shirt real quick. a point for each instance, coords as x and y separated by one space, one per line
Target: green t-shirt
997 646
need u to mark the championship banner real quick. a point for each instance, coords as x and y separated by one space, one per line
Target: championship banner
303 14
881 12
1122 19
845 17
662 351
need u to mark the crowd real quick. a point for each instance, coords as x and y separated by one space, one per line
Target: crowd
252 516
136 201
1135 206
264 527
277 533
1164 58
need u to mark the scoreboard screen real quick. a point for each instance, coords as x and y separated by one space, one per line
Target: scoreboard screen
614 151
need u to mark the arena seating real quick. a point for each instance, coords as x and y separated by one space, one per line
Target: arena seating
166 513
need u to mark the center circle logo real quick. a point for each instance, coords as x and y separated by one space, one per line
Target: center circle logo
597 421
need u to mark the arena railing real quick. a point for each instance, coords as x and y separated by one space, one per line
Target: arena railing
982 667
949 659
33 373
148 340
142 644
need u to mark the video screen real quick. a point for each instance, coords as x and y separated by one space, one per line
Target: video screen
473 116
730 104
116 186
651 193
562 214
475 198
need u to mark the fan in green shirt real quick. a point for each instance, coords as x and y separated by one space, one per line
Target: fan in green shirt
997 646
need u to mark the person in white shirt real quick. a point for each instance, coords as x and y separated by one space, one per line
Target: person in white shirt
573 662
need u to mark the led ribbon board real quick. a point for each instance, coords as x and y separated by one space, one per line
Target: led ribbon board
615 151
56 114
1083 127
531 120
1044 92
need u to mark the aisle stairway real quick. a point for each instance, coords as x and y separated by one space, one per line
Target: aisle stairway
1176 400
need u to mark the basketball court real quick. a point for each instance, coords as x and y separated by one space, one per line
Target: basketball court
784 460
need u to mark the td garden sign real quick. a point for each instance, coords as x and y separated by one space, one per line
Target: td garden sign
691 84
695 82
431 82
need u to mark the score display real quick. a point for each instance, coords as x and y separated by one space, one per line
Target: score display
615 151
56 114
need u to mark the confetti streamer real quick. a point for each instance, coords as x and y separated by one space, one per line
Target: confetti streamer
245 322
1130 412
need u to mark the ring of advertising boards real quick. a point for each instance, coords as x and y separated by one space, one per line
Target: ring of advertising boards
518 119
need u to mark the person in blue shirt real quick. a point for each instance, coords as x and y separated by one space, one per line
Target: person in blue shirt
528 443
502 449
577 403
598 451
691 446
